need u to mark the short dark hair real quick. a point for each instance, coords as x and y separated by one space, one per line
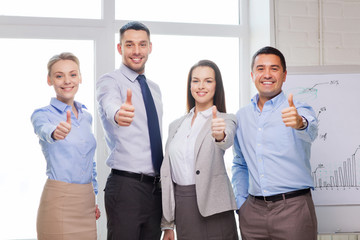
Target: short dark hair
219 97
269 50
135 26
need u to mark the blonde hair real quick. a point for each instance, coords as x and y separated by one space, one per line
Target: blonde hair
62 56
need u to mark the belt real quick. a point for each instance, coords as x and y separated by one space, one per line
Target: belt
282 196
139 176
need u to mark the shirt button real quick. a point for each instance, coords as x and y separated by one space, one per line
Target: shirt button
197 172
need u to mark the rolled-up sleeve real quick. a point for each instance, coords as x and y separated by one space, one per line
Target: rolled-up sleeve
310 133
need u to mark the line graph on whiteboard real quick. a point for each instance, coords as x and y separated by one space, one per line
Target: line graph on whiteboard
335 154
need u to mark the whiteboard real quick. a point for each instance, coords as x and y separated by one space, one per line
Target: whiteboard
334 94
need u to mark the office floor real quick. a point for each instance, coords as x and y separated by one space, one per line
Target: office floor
338 236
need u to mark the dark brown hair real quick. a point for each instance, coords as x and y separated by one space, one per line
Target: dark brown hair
269 50
134 25
219 97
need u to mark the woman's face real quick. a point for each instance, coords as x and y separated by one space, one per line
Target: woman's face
65 77
203 87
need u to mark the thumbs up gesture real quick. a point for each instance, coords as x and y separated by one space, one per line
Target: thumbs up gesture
217 126
63 129
124 116
290 116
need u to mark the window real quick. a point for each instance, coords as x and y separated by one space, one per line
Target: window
56 9
186 11
169 65
169 50
180 37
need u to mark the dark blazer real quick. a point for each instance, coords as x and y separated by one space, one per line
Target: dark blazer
213 188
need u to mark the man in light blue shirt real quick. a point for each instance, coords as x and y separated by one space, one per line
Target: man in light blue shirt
271 168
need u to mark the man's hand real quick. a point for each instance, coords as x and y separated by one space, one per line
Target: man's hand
217 126
290 116
63 129
124 116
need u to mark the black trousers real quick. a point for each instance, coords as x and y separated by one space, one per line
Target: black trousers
133 209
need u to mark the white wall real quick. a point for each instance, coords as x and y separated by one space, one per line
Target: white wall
318 32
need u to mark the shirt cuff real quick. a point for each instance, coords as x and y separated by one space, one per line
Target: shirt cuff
305 123
49 131
167 228
110 113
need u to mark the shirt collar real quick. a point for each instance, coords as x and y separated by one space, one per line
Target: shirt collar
206 113
275 101
64 107
128 73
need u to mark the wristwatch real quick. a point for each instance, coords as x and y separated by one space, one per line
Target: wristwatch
305 123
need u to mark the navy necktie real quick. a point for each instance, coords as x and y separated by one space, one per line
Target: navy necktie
153 125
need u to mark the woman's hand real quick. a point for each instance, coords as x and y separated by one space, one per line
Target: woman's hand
217 126
97 212
63 129
169 234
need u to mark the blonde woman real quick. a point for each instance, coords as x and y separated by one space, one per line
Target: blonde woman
67 207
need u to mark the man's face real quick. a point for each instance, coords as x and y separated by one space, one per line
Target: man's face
135 48
268 75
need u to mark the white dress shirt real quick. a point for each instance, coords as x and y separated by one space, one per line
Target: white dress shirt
129 146
181 149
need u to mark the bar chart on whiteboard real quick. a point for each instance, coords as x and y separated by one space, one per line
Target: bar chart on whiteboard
335 154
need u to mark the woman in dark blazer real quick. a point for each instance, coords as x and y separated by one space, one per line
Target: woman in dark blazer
197 196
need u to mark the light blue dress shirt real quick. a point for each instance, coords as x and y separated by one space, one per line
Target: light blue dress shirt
271 158
129 146
70 160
